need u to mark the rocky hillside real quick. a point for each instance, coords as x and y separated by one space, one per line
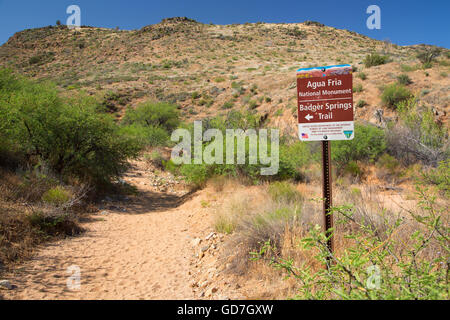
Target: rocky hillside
212 69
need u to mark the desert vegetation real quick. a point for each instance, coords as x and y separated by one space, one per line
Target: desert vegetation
77 115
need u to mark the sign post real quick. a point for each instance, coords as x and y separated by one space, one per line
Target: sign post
325 113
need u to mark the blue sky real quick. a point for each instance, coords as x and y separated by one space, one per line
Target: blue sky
402 22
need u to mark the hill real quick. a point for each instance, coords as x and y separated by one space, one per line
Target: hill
210 69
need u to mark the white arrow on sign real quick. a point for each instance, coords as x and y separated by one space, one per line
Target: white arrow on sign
309 117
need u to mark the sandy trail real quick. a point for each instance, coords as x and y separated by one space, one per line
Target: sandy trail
139 254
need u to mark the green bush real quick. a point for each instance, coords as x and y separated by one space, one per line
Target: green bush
362 76
374 59
292 157
358 88
428 55
417 136
146 136
153 114
422 122
361 104
377 263
68 135
367 145
54 225
404 79
56 196
408 68
228 105
283 191
439 176
352 168
388 162
393 94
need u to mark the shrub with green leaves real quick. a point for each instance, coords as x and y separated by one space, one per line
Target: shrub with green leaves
417 136
67 134
292 157
361 103
283 191
404 79
374 59
439 176
362 76
367 145
56 196
428 55
153 114
358 88
402 259
393 94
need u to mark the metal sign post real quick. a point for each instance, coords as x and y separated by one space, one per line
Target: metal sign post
325 113
327 193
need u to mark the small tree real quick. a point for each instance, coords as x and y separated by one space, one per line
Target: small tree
428 55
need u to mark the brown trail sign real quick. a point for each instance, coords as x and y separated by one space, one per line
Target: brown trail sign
325 112
325 103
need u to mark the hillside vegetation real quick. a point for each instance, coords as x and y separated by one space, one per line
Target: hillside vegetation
78 105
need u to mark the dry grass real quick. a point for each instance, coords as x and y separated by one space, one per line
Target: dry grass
242 212
30 214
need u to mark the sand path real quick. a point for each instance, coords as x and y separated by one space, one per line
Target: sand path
142 253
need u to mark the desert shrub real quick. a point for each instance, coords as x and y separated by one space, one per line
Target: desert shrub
388 167
439 176
313 23
252 104
362 76
284 191
21 232
408 68
68 135
292 157
156 158
228 105
42 58
361 103
197 174
195 95
30 185
374 59
54 225
393 94
405 259
56 196
417 136
151 114
388 162
404 80
146 136
352 168
358 88
428 55
224 224
367 145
